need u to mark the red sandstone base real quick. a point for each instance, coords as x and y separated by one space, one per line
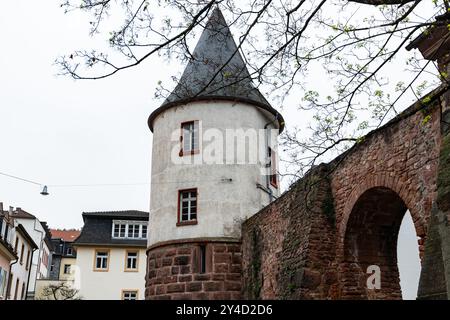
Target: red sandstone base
194 269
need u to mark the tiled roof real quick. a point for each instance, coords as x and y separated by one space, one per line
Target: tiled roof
123 213
66 235
20 213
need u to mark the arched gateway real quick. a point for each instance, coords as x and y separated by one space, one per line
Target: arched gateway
337 227
350 226
370 245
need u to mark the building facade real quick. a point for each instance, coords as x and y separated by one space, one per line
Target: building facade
64 255
7 253
63 270
111 259
24 246
216 136
41 258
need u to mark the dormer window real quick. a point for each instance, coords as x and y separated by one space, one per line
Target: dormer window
144 231
129 229
189 138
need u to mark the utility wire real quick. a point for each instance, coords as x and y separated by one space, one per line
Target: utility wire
18 178
113 184
97 185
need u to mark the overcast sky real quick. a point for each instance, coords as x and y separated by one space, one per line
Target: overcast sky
57 131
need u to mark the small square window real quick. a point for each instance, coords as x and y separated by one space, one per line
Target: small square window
129 295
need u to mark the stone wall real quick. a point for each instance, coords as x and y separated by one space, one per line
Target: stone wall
288 246
174 270
402 158
319 238
435 276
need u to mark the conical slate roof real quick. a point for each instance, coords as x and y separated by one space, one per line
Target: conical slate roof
216 72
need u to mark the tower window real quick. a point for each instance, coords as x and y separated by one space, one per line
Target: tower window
273 167
189 138
187 206
202 259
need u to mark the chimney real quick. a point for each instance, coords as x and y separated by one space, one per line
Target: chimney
1 207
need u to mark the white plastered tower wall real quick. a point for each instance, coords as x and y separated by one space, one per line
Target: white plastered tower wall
228 193
222 177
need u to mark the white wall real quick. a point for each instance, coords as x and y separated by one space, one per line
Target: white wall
19 270
108 285
67 261
37 233
221 205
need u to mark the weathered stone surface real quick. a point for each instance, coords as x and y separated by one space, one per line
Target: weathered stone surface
318 239
177 275
432 283
277 240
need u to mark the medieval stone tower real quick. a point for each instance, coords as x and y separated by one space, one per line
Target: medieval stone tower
214 163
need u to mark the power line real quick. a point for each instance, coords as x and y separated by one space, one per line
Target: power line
97 185
112 184
18 178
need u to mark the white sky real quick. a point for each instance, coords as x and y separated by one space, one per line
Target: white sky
58 131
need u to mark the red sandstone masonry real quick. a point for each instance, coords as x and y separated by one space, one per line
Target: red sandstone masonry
291 252
397 166
402 157
173 271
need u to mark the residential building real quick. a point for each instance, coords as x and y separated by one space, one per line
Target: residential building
63 269
64 254
24 246
7 254
41 258
111 256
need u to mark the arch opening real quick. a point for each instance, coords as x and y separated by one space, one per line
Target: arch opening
370 267
408 256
